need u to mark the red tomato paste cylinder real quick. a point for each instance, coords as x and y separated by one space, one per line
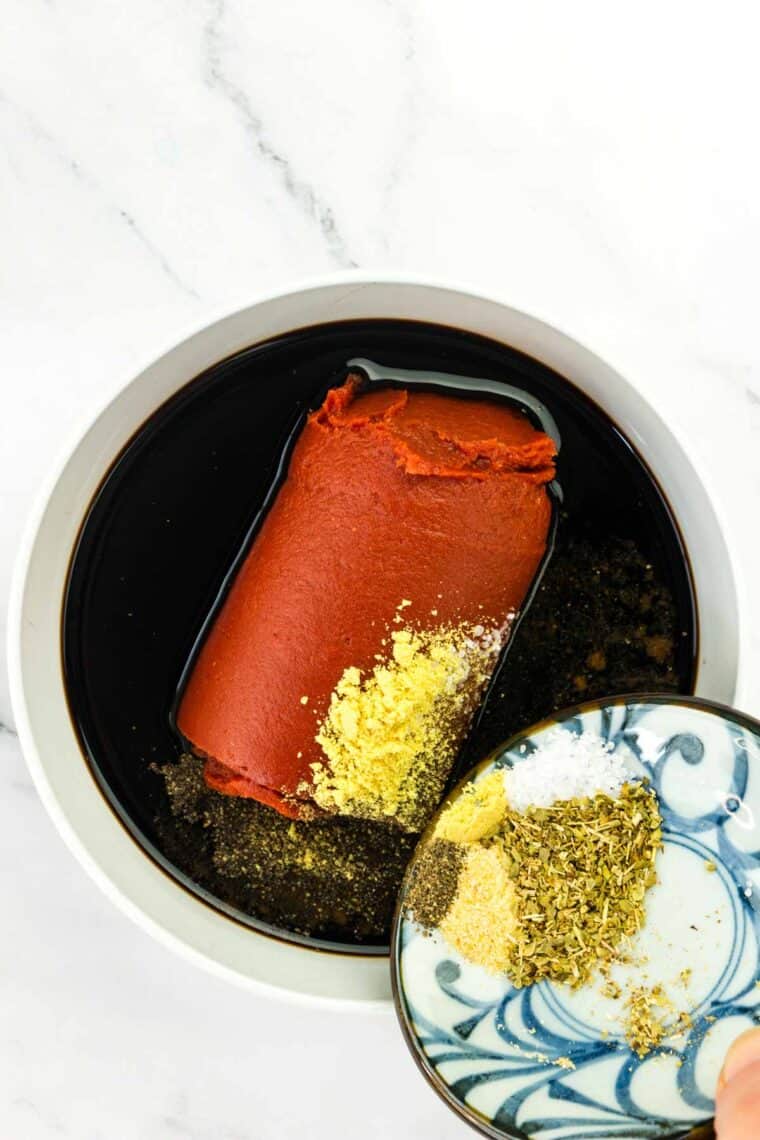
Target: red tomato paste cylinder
399 505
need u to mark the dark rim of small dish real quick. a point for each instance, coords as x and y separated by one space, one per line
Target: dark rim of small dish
701 1131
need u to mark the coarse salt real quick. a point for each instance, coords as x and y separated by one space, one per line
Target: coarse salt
565 766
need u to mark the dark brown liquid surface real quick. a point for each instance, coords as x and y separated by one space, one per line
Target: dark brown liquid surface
614 613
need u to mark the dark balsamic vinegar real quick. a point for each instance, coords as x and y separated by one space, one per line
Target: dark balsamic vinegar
614 611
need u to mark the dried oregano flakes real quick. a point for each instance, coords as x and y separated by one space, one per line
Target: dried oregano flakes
581 869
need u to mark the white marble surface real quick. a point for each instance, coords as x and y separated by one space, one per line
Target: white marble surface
594 163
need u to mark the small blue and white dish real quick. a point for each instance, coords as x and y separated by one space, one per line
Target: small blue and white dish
550 1063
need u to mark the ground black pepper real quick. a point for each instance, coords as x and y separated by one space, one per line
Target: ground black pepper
334 878
433 882
601 623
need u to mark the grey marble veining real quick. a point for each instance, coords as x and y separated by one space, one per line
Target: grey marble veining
33 129
303 194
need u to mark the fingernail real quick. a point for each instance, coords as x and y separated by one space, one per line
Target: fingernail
745 1050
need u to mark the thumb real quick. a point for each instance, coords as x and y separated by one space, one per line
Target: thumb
737 1106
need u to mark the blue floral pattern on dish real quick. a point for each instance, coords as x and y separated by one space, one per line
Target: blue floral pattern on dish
553 1063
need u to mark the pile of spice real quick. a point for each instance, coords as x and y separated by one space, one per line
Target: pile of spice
331 878
390 737
646 1026
602 621
547 864
581 868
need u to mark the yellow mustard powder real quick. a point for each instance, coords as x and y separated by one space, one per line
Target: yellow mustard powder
391 735
477 813
481 921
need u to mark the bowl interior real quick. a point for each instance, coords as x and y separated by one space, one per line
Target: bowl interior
50 739
165 528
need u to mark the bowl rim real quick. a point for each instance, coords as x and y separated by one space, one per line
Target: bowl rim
439 1086
351 281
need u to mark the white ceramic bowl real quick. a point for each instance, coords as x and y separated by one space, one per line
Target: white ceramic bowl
63 778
